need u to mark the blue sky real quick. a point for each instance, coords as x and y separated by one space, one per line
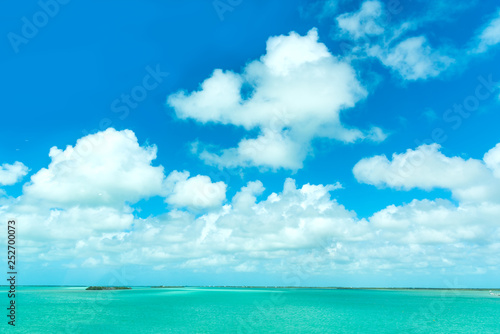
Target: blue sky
340 143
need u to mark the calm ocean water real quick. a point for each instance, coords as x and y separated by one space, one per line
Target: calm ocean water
218 310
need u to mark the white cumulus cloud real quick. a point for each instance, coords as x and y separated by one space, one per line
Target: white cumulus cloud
492 160
292 94
426 167
297 227
12 173
195 192
106 168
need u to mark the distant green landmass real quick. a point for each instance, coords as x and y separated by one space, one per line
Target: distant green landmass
108 288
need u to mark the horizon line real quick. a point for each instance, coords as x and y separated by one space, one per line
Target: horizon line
253 287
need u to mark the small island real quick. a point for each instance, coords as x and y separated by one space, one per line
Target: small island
108 288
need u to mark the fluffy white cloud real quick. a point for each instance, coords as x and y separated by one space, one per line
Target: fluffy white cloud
274 149
106 168
489 35
292 94
492 160
426 167
437 233
63 234
111 169
364 22
73 224
10 174
239 235
196 192
86 192
438 222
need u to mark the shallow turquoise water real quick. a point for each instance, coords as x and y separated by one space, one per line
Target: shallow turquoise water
215 310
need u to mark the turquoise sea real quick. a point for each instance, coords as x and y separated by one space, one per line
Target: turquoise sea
251 310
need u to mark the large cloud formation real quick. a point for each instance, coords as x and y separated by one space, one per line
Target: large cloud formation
292 94
268 233
471 227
